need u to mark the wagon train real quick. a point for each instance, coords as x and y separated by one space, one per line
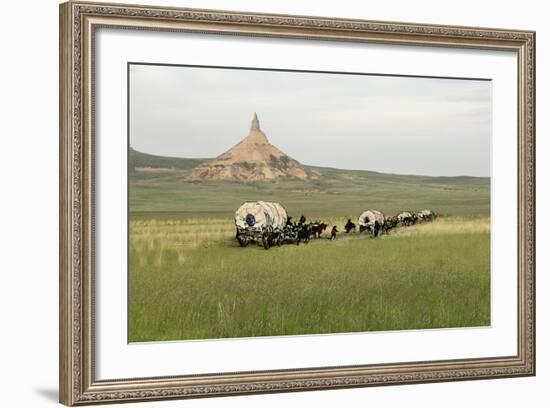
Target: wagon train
268 224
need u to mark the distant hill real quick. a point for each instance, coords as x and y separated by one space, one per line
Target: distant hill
162 185
139 162
163 165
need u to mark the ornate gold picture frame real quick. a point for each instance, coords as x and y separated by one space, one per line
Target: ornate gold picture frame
78 24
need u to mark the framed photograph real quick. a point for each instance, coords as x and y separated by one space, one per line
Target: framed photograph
256 203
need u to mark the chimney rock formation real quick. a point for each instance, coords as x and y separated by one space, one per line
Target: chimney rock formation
252 159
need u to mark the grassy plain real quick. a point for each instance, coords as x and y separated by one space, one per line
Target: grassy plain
189 279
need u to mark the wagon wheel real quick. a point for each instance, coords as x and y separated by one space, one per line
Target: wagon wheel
265 240
242 240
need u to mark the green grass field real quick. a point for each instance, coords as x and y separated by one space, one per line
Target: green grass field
189 279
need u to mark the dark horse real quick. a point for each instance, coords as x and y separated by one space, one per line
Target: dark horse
349 227
303 233
316 230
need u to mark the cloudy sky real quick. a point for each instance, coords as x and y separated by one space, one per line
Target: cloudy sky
402 125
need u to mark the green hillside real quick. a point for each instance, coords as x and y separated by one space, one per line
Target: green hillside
159 188
143 160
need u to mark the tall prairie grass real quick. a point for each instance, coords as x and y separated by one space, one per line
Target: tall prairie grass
189 279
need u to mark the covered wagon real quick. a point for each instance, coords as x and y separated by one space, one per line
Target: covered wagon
261 222
371 221
407 218
426 215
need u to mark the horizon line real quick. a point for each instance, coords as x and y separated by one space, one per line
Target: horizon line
313 165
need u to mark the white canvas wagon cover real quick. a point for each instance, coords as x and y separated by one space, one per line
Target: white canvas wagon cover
368 217
403 215
264 214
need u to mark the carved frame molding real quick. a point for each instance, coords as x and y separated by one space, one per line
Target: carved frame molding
78 20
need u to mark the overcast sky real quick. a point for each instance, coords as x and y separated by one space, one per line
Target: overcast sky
428 126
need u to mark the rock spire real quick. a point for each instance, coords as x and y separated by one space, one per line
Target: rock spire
252 159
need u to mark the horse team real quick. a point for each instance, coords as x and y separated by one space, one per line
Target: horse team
372 222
